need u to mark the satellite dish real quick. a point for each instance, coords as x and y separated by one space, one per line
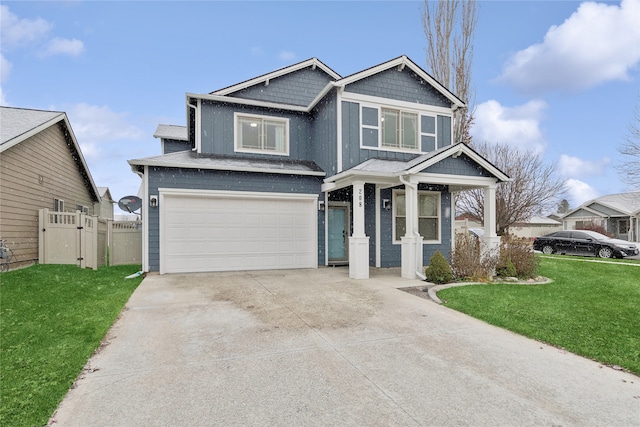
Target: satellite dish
130 203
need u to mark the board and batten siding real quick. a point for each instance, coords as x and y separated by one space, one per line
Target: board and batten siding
200 179
32 174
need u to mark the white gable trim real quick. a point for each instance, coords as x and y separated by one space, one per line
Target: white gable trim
313 62
404 61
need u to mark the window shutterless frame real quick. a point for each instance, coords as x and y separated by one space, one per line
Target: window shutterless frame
429 217
261 134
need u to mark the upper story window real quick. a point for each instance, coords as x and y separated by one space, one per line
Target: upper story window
392 129
261 134
399 129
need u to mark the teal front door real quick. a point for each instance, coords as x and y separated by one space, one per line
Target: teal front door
339 230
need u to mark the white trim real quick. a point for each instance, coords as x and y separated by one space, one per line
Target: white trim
145 219
252 102
376 100
198 118
18 139
326 228
339 131
236 143
378 212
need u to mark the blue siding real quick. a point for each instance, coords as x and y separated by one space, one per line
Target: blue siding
390 253
402 85
462 165
229 181
297 88
323 144
444 131
218 130
370 220
173 146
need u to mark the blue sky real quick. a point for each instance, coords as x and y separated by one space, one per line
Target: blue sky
561 78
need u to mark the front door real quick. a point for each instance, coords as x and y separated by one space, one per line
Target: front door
339 231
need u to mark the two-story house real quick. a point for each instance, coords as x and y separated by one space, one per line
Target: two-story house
301 168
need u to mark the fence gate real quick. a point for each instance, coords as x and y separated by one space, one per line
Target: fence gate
68 238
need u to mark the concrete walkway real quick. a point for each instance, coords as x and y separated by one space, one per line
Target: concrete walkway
312 347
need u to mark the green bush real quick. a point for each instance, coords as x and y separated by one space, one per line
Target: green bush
518 252
439 270
507 269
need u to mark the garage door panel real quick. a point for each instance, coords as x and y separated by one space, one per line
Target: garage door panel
218 233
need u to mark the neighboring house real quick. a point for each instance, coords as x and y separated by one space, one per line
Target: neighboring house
41 166
534 227
104 209
619 214
302 167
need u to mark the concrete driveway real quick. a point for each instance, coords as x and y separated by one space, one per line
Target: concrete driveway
312 347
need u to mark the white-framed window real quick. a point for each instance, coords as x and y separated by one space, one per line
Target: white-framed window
399 129
58 205
261 134
428 216
83 209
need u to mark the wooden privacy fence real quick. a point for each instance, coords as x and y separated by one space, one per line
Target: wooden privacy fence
88 241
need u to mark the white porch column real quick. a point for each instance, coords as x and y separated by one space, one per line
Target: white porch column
358 242
490 239
409 241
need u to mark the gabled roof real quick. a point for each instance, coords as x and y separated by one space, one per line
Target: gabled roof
401 62
627 204
191 160
392 172
105 194
19 124
312 62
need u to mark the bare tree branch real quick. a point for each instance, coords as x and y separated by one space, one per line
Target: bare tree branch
534 188
449 27
629 169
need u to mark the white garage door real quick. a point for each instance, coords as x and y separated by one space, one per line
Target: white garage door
224 231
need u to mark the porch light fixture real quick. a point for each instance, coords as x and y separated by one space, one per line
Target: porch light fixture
321 205
386 204
153 201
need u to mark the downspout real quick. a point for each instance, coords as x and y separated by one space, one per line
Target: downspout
415 232
197 125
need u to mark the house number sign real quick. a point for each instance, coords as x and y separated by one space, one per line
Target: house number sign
360 190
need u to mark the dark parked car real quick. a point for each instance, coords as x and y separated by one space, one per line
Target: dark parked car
584 242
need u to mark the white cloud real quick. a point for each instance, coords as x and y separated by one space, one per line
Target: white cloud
597 43
518 126
59 46
5 68
96 125
575 167
579 192
16 32
286 55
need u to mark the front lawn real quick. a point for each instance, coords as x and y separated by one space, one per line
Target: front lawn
591 308
52 319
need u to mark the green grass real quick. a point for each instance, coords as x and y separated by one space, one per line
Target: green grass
52 319
591 309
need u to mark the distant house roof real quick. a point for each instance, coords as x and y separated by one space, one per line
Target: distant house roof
178 133
626 204
19 124
192 160
105 194
539 220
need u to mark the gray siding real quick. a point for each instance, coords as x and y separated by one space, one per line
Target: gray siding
462 165
324 131
402 85
352 154
605 210
297 88
229 181
391 254
173 146
218 130
444 131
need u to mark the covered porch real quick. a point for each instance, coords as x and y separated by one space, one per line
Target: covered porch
366 188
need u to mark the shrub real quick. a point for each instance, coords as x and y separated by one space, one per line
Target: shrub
439 270
468 262
516 252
